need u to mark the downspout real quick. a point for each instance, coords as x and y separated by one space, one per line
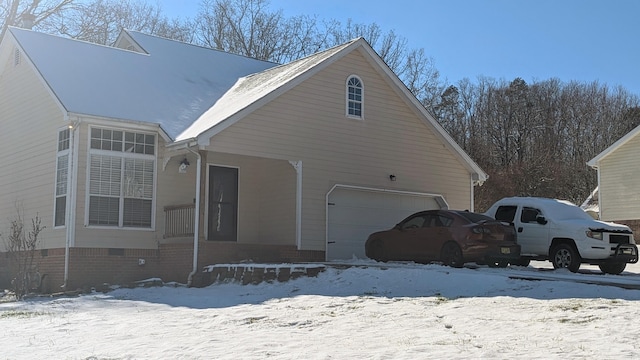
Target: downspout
473 195
70 211
196 226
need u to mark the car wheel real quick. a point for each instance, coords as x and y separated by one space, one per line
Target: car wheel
377 251
613 268
565 256
451 255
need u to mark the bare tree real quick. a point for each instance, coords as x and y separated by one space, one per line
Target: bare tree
100 21
34 12
250 28
244 27
21 246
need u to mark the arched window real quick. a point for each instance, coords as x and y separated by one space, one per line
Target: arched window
354 97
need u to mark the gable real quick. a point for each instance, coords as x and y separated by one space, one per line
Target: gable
252 92
629 137
309 122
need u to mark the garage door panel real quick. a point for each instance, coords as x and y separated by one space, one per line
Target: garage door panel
384 217
353 214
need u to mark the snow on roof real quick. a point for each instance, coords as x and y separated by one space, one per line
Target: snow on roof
250 89
171 85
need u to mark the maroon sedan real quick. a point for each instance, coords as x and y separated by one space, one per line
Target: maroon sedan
448 236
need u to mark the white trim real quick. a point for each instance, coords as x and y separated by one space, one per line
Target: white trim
206 200
347 101
600 197
438 197
58 154
595 162
124 124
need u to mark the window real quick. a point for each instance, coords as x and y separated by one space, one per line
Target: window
529 215
62 178
414 223
121 178
506 213
354 97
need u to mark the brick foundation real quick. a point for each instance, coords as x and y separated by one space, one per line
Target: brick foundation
94 267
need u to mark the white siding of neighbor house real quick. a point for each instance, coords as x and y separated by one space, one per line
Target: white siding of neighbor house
30 121
308 123
619 191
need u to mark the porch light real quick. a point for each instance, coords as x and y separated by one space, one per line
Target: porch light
392 177
184 164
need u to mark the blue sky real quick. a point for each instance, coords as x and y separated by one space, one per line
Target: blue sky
583 40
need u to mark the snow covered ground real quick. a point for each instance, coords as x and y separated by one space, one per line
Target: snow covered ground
400 311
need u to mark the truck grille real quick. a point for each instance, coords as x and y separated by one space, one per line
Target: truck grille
618 239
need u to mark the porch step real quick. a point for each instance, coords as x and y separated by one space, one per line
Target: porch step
256 273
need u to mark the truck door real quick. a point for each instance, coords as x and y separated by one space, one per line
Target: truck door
533 236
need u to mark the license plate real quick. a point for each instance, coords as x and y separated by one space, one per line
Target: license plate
505 250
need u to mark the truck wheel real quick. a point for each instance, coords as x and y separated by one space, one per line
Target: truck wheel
451 255
565 256
612 268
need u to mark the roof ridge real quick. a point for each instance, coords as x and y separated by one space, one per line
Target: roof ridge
195 45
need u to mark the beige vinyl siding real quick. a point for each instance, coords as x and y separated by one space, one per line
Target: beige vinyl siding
266 200
309 123
30 122
619 192
173 188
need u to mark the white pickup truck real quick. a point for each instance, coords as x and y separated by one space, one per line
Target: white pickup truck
563 233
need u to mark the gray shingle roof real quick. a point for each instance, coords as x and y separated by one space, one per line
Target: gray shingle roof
172 85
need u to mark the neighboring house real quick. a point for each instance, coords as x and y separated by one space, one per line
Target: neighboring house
618 192
154 157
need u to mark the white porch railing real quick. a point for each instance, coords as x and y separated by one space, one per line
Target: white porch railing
179 220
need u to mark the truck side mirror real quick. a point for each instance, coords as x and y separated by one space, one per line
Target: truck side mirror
541 220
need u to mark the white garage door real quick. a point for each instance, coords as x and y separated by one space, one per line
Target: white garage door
355 213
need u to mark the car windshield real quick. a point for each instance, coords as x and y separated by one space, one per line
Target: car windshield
475 217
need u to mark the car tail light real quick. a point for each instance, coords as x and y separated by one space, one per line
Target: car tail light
481 230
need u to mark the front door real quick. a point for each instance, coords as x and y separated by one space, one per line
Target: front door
223 204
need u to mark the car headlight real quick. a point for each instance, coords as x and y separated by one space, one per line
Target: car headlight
594 234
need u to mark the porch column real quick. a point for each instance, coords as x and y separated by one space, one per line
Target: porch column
297 165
